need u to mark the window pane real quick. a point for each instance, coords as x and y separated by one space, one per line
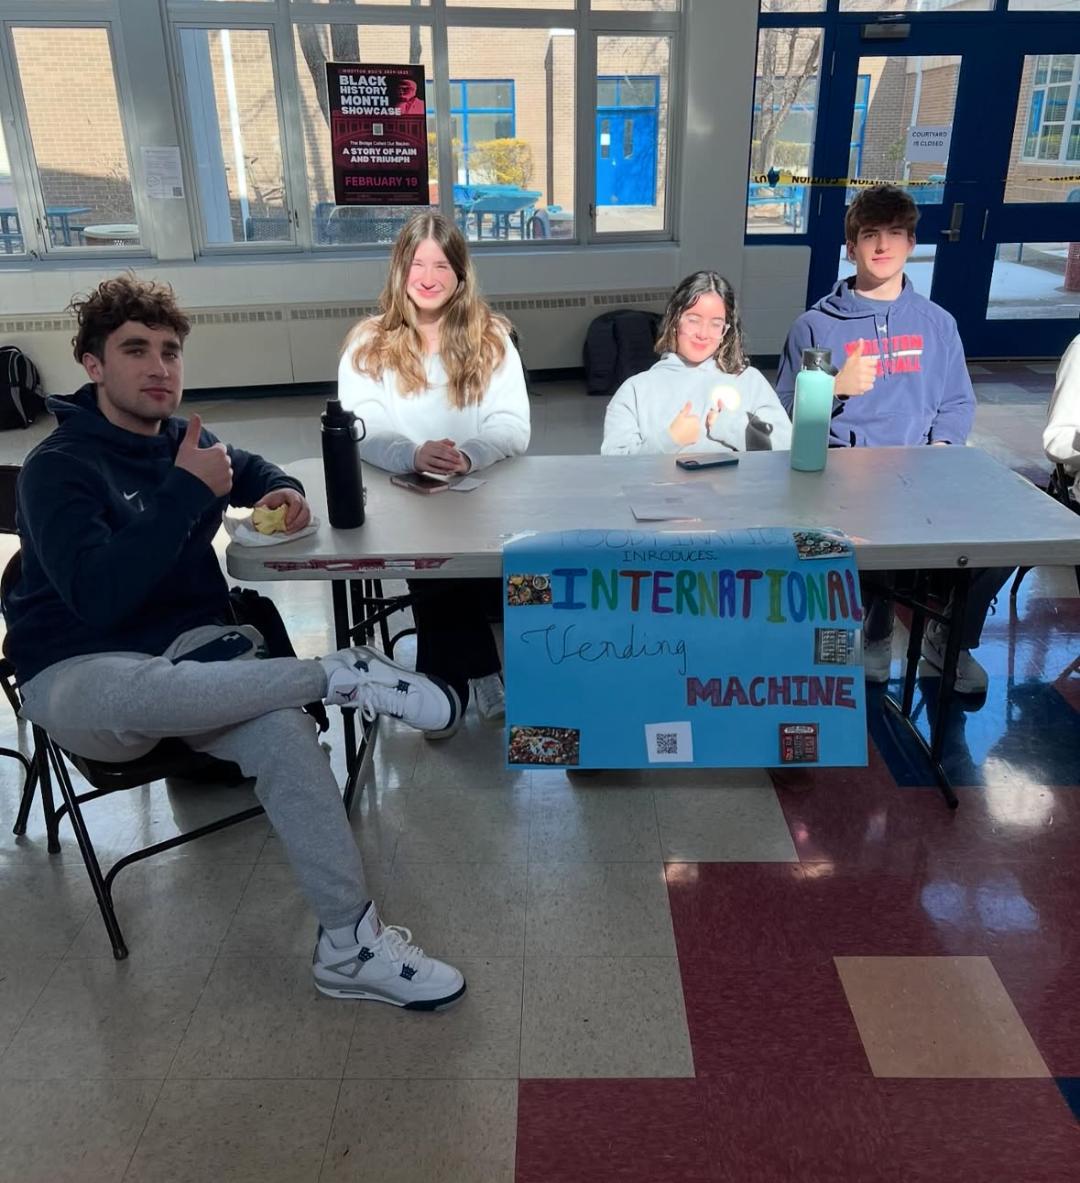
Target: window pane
399 3
1057 101
334 225
529 4
785 113
79 145
11 239
905 94
236 141
490 94
793 5
631 187
915 5
514 171
1036 146
635 5
1035 281
1044 5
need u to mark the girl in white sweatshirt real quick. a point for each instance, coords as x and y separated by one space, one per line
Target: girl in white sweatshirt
702 395
440 389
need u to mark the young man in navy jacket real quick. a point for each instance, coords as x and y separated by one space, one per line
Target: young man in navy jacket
903 381
120 630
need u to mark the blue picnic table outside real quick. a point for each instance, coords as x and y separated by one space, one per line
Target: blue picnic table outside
57 218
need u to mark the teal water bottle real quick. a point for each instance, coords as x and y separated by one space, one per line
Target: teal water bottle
813 410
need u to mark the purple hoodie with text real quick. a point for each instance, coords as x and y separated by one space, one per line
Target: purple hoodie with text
922 393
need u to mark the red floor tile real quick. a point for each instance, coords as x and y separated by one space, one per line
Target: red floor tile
785 1018
980 1131
788 1128
748 913
629 1131
1046 994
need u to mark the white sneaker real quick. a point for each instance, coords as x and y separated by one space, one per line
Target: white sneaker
490 696
877 660
363 678
971 678
382 965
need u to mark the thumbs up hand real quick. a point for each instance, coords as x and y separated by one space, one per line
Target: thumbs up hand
858 372
210 465
685 428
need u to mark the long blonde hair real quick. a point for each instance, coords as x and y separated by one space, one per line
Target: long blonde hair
471 336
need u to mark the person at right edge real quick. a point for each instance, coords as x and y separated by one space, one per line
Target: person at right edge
902 381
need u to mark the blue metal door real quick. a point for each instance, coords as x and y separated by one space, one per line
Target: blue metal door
987 251
626 156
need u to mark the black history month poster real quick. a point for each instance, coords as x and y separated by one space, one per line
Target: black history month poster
378 134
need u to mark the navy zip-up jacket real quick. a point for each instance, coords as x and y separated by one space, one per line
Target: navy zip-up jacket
922 393
117 551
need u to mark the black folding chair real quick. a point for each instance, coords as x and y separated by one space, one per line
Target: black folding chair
1059 487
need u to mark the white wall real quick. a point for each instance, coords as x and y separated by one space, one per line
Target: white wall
719 53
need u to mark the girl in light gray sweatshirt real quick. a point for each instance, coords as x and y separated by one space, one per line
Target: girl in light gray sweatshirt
702 395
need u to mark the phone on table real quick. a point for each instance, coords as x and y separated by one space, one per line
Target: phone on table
419 482
706 460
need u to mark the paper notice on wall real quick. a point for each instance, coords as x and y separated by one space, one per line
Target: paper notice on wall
164 178
928 144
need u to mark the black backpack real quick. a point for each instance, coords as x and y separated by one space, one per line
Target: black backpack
619 345
21 399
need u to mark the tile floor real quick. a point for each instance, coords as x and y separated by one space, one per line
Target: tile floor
691 976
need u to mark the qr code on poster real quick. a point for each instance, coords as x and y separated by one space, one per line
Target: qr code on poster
376 129
671 743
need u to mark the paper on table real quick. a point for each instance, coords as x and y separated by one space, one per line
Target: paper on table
670 502
242 532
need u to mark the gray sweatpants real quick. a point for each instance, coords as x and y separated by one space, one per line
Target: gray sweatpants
117 706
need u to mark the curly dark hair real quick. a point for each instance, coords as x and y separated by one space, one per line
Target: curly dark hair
880 205
116 301
730 355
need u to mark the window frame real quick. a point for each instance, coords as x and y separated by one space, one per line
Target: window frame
464 112
26 176
175 231
1072 115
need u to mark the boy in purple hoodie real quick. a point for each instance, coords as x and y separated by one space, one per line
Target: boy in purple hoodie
903 381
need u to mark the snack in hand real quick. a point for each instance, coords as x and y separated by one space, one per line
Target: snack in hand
269 521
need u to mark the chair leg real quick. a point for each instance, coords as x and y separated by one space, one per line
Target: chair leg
44 779
1020 573
12 695
86 849
29 788
1078 580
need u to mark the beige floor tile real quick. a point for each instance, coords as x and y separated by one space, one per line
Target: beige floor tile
947 1017
101 1018
477 1038
597 910
243 1131
593 824
460 909
743 824
475 758
22 980
168 911
262 1017
44 908
378 818
177 806
71 1131
604 1017
401 1131
273 917
465 826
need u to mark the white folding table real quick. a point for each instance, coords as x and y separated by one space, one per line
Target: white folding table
911 509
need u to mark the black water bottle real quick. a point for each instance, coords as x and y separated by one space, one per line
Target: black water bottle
342 432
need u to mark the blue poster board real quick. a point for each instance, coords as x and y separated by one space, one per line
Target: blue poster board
634 649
